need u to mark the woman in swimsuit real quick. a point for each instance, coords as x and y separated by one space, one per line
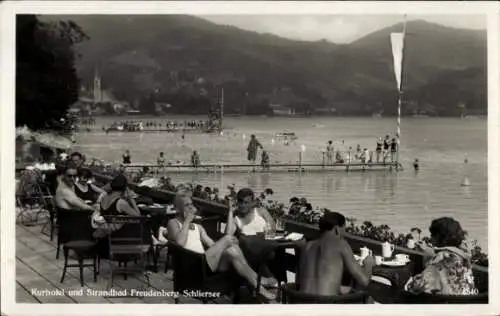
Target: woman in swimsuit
119 201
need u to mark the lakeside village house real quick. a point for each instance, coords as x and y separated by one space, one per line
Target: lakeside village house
90 99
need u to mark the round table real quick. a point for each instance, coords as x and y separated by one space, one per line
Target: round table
264 253
159 216
398 275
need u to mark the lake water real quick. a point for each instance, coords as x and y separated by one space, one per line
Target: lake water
400 199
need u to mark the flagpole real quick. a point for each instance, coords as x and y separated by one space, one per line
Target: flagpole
400 96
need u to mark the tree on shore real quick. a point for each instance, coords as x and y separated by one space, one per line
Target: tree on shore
46 80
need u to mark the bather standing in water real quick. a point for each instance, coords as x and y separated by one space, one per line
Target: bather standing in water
195 159
329 152
264 163
253 147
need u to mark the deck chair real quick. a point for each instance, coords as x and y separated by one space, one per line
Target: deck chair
128 243
291 295
191 273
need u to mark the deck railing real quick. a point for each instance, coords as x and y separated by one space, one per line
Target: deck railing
309 230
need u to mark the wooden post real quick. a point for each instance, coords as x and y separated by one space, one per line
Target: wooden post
300 161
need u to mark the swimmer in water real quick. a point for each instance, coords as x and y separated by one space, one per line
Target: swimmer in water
415 165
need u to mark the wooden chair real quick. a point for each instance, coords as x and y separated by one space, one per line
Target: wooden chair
128 244
75 233
291 295
191 272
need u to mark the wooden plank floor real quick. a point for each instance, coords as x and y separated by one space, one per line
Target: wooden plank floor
37 270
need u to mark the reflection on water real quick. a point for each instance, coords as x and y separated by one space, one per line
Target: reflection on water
400 199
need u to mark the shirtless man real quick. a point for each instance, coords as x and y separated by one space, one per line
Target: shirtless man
66 197
323 261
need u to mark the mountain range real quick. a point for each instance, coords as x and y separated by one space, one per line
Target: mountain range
178 58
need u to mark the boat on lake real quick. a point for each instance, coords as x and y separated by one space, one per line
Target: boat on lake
287 135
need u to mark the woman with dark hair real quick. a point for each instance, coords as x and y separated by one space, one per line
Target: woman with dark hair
85 189
117 202
448 270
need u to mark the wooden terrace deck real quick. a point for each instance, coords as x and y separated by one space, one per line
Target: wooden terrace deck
38 269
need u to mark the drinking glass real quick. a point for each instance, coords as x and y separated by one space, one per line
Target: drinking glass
280 225
269 233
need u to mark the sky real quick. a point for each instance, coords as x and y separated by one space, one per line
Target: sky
336 28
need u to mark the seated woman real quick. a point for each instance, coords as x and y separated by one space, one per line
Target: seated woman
84 188
220 255
65 197
448 270
117 202
248 220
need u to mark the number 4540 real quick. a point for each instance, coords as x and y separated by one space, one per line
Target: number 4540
471 292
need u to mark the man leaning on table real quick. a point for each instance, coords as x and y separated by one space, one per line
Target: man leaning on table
323 261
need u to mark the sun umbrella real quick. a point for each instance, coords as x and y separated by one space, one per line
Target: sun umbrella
46 138
52 140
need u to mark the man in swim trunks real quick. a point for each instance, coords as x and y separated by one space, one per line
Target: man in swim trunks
323 261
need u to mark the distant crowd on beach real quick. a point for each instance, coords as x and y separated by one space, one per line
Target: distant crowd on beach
139 125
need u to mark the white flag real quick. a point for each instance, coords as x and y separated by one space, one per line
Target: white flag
397 42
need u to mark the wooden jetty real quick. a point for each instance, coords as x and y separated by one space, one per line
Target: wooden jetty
273 168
